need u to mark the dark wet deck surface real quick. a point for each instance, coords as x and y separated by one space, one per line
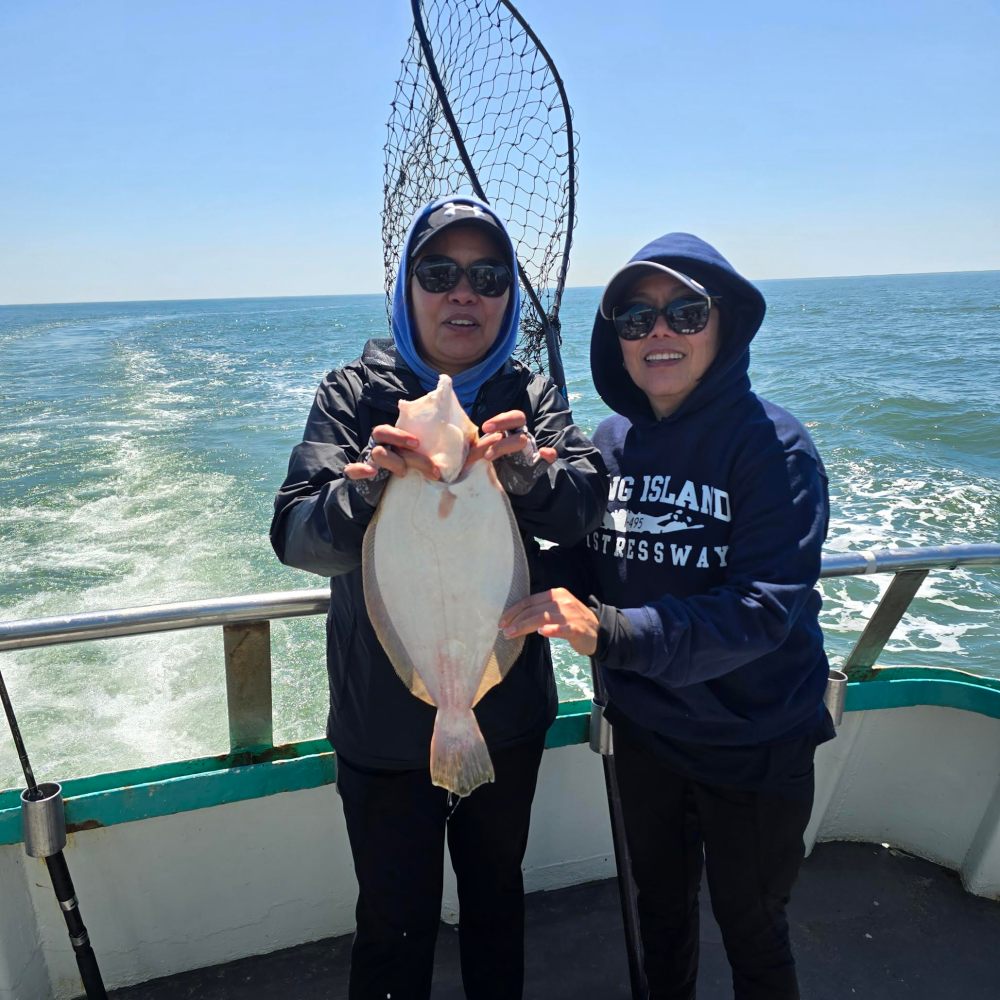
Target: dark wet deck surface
866 922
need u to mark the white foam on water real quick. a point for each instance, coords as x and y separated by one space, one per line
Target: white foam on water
137 522
952 619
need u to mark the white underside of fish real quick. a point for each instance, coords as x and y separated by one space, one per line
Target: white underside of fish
441 563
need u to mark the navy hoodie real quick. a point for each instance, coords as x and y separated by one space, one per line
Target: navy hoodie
710 547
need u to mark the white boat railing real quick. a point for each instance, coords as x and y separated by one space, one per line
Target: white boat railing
245 622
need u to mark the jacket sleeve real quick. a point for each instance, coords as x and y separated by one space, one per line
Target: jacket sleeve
569 498
565 566
780 523
319 515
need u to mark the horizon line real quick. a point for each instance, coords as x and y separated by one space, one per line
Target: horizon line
334 295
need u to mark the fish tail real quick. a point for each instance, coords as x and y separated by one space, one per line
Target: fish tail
460 760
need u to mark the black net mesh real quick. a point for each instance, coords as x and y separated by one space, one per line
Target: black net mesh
512 145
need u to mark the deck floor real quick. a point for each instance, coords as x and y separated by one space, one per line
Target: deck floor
866 921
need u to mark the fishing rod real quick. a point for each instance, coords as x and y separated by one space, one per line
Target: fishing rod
602 742
43 821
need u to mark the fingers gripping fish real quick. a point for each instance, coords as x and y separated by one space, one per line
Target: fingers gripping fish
442 560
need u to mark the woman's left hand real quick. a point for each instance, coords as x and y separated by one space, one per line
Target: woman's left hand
499 439
556 614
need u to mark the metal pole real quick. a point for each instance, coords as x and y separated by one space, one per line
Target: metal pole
602 741
556 370
44 826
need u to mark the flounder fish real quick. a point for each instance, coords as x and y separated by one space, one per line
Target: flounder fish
441 562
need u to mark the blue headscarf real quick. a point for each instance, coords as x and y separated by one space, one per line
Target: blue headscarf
466 383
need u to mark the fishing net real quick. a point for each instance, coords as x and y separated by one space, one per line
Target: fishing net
479 109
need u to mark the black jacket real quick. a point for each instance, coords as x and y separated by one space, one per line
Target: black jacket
319 524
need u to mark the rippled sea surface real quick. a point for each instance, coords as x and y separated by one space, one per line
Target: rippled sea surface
141 445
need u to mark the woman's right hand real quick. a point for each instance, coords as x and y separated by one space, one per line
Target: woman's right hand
395 451
556 614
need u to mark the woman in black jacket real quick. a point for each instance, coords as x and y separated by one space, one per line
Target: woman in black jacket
455 310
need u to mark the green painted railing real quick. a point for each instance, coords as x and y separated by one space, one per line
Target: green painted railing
253 767
164 789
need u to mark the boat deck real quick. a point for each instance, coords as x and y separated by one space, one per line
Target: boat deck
867 921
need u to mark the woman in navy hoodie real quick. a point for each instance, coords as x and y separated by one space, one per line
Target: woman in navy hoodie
696 598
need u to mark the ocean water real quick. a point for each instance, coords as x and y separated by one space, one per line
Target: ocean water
141 445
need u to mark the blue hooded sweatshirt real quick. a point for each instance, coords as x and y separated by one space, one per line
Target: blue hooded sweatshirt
467 383
707 560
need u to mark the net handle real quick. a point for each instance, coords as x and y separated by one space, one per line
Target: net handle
570 151
551 336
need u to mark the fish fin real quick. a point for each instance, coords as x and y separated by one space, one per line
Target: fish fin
505 654
520 578
492 676
384 629
506 651
419 689
460 760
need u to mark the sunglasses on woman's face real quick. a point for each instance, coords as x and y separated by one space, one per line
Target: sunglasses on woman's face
442 274
688 314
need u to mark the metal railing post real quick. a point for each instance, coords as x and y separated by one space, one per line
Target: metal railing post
248 684
861 660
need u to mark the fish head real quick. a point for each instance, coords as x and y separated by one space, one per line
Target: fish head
442 427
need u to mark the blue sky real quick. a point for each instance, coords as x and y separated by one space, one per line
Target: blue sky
181 149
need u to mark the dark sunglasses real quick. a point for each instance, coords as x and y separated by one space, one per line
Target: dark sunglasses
442 274
688 314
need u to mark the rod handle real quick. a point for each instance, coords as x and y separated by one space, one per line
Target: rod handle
86 960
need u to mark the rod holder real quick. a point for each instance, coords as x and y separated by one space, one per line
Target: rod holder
600 731
836 693
43 821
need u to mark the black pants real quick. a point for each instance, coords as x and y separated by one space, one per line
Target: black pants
751 846
397 823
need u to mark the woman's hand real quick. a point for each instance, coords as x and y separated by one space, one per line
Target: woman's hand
395 451
556 614
503 435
